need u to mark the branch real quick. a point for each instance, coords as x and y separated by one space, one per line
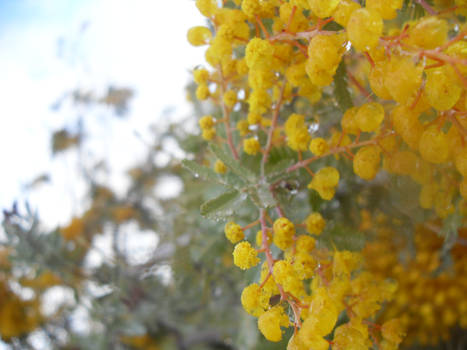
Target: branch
336 150
427 7
275 117
226 118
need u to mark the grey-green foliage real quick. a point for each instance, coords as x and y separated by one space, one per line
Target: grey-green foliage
341 90
197 307
234 165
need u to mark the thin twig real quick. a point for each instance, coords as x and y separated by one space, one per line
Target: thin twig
275 117
336 150
226 117
427 7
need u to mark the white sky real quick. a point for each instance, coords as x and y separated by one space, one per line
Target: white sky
136 43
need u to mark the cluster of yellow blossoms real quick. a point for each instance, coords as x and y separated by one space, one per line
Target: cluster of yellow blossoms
405 111
316 285
17 315
430 301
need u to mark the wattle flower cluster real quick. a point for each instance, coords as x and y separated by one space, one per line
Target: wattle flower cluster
401 89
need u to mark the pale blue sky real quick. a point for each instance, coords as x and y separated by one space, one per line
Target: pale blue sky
27 11
135 43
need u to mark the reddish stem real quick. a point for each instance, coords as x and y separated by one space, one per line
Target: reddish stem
265 280
336 150
419 94
427 7
275 117
267 251
372 63
261 25
458 125
254 223
279 211
435 65
226 118
457 38
460 75
292 14
359 86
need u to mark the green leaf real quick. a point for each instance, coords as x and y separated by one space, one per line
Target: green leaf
250 162
279 171
234 165
200 171
265 196
190 143
229 180
342 239
261 197
341 91
449 231
280 159
222 206
233 181
278 154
